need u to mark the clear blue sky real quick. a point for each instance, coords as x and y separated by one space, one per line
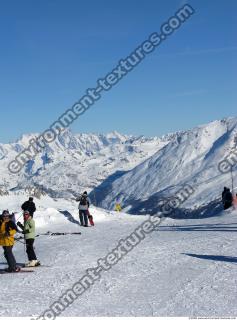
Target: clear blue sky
53 50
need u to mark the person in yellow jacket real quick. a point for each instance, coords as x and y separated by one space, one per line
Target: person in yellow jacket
7 232
118 207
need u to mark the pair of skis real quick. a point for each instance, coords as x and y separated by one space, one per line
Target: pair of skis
49 233
2 271
23 269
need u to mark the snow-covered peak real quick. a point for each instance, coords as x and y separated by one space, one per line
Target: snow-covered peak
25 138
116 137
189 158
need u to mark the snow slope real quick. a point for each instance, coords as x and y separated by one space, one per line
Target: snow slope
184 268
190 158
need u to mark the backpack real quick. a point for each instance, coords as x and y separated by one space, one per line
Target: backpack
228 197
83 201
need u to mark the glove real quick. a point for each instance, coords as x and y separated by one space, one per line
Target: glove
20 225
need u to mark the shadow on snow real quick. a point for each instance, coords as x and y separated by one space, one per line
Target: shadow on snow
218 227
69 216
212 257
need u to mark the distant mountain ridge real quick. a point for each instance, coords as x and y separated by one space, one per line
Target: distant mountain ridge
74 162
135 171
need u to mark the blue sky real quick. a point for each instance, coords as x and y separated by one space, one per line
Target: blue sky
52 51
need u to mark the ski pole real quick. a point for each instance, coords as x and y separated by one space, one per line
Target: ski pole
19 216
25 248
20 241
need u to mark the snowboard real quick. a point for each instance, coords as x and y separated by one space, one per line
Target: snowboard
91 220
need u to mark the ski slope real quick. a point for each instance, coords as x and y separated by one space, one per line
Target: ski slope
185 268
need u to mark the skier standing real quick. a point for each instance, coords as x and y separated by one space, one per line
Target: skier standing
7 232
29 233
227 198
84 204
29 206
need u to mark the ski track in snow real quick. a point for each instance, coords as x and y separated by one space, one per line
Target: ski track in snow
155 279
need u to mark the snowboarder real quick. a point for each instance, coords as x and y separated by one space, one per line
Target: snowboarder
7 232
29 206
84 204
227 198
29 233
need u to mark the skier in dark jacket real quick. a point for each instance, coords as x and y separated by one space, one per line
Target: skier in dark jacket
29 206
84 204
227 198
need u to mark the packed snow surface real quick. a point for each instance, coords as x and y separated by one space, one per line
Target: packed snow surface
184 268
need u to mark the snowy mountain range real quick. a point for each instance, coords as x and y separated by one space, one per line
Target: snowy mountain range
190 158
76 162
135 171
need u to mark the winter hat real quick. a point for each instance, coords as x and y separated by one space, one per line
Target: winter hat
31 199
85 193
26 212
5 213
